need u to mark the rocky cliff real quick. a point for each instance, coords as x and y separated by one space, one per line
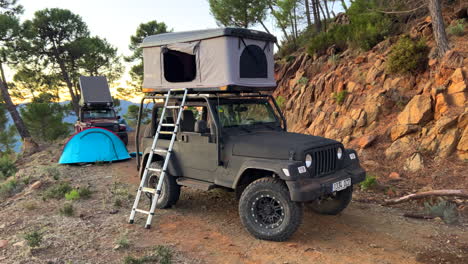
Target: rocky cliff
413 124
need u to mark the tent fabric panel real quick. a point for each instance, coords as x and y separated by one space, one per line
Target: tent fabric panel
189 48
94 89
152 67
94 145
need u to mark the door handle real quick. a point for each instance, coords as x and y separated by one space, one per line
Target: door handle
184 138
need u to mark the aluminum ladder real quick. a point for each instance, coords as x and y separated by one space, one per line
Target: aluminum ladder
156 192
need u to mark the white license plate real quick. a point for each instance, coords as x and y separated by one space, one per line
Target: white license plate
341 185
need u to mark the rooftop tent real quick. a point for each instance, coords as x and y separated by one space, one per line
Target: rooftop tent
212 59
95 91
93 145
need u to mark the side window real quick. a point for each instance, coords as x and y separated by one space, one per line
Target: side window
179 66
253 63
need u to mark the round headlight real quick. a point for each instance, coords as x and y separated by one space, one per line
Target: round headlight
308 160
339 153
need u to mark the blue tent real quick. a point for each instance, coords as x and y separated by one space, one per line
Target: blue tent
93 145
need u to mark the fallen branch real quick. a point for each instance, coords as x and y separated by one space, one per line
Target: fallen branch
457 193
399 12
419 216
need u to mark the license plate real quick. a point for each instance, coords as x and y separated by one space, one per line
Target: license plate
341 185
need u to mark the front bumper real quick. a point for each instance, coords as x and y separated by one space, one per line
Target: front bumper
309 189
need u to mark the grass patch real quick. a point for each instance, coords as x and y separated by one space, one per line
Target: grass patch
8 188
84 192
368 183
447 211
72 195
340 97
120 195
408 56
67 210
7 167
161 254
334 59
457 29
30 205
280 101
123 242
57 191
52 171
33 239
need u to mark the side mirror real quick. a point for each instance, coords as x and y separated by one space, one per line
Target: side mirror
118 117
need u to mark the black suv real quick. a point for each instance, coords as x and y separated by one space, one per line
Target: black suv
240 143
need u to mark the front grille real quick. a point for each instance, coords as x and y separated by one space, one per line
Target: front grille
108 126
324 160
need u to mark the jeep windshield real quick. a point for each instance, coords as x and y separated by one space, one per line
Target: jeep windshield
99 114
246 113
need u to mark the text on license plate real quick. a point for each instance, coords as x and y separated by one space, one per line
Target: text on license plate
341 185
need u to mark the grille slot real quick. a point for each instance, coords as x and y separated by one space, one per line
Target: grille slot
324 160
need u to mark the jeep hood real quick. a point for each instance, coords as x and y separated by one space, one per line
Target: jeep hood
276 144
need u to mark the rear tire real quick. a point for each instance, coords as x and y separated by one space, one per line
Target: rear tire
170 190
267 212
334 203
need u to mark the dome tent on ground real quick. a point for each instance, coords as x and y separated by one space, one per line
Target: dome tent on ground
94 145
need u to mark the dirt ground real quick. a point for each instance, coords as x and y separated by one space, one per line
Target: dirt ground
204 227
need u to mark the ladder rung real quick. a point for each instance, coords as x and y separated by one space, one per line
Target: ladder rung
161 150
142 211
155 170
173 107
166 132
149 190
168 125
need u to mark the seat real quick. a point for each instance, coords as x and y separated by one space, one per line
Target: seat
201 127
187 124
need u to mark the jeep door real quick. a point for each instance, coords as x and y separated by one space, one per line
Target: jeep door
195 149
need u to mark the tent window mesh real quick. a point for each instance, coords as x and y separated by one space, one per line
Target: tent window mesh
253 63
179 66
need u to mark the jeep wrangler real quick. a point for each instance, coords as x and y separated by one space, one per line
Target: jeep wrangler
240 143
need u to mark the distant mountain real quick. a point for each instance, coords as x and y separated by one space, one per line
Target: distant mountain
71 118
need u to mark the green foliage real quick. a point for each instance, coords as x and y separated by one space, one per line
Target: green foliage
280 101
30 205
334 59
57 191
132 115
457 29
136 71
72 195
67 210
8 188
443 209
238 13
7 167
44 121
84 192
340 96
290 58
365 30
303 81
407 56
33 238
7 133
369 182
164 254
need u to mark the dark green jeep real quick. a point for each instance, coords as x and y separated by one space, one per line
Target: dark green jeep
241 143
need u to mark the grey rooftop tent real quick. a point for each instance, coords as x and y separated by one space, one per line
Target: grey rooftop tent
212 59
95 91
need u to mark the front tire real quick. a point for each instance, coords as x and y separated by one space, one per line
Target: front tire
332 204
170 190
267 212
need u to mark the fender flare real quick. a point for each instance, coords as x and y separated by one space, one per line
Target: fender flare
274 166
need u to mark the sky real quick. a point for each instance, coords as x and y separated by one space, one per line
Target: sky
117 20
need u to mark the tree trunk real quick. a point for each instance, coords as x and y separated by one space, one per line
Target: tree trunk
325 3
307 10
268 31
283 28
442 45
343 3
324 16
74 97
317 22
29 144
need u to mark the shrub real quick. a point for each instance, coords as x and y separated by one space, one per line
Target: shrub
72 195
368 183
290 58
407 55
7 167
84 192
52 171
67 210
123 242
30 205
303 81
458 29
164 254
443 209
45 121
8 188
340 96
334 59
57 191
33 238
